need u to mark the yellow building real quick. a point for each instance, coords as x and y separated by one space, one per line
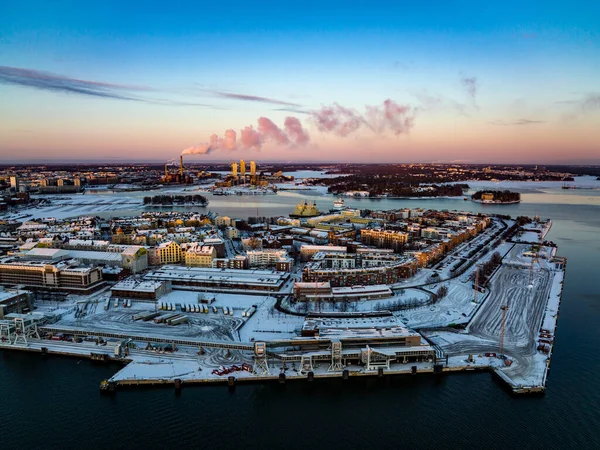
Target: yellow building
200 255
169 252
232 233
242 167
122 237
252 168
382 238
222 221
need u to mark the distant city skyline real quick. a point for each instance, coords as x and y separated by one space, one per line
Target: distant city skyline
317 82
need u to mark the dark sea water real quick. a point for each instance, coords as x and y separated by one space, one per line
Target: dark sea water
54 402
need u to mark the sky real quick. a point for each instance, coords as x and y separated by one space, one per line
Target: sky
314 81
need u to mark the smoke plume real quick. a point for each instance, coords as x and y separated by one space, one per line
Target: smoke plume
343 121
203 149
252 138
269 130
229 143
337 119
294 129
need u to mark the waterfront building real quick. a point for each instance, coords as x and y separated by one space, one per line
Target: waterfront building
66 275
14 301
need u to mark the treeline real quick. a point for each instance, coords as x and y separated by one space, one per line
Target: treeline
499 196
175 199
439 173
488 267
399 305
393 186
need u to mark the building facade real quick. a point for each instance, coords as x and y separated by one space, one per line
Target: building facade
381 238
169 252
200 255
66 275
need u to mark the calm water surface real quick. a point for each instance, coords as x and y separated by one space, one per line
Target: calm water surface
54 402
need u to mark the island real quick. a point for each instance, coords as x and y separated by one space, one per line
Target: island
176 200
389 186
496 197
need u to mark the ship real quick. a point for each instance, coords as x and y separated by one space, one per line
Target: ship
305 209
338 204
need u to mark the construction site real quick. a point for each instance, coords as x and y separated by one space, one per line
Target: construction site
503 321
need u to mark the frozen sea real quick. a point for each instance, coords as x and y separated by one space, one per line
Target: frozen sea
54 403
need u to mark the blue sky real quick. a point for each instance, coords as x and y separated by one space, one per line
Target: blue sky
512 81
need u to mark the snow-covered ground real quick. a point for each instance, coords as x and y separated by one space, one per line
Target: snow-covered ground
213 326
269 324
238 302
529 309
456 307
71 205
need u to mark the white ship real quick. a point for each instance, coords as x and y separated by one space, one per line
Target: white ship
338 204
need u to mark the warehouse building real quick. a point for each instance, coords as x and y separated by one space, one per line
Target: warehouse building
14 301
323 291
220 279
132 288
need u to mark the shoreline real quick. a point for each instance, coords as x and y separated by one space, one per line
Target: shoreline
487 202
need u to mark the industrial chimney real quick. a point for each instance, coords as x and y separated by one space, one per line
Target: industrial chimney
181 166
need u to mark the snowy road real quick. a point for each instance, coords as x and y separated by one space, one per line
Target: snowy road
525 308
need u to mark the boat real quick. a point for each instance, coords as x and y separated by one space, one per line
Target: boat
338 204
305 209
